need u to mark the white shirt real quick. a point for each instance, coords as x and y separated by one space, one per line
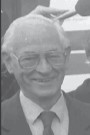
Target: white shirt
32 111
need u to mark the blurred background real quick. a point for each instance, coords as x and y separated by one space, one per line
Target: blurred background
76 27
78 31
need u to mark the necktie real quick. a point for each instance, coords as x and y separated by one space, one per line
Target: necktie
47 118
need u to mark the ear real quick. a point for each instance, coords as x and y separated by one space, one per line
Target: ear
6 59
67 55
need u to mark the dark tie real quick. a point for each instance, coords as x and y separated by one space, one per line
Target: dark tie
47 118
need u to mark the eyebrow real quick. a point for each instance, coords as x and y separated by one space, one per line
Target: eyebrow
28 52
53 50
33 52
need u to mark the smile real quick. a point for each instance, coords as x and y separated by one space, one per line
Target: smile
43 80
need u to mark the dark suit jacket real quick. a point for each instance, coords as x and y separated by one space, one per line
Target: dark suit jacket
14 122
82 93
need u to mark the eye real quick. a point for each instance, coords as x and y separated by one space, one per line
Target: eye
55 58
55 55
29 58
28 61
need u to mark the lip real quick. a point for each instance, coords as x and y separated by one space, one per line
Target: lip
41 80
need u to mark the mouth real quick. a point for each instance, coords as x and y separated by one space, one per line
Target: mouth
43 80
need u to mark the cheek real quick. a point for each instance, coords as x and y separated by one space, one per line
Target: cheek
25 78
61 70
23 81
61 74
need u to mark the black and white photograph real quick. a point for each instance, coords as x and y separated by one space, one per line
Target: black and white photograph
45 67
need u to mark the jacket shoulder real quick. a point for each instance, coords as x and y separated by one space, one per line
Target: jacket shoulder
8 109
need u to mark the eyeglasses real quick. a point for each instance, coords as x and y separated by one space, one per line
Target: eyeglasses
31 61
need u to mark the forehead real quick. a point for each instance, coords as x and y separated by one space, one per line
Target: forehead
36 36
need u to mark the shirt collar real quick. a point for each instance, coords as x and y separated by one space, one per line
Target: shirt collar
32 112
60 107
30 108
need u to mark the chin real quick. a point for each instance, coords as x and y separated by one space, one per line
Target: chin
43 89
45 93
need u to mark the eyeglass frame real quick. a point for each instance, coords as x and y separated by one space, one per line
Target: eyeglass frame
33 67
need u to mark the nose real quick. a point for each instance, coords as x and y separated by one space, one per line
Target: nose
43 66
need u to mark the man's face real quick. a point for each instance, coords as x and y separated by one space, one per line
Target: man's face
41 65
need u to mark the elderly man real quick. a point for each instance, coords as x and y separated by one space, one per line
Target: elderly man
36 51
9 84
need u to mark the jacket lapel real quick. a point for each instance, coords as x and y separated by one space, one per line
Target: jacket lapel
17 124
78 124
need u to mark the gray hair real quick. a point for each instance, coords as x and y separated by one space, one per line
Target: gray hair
8 40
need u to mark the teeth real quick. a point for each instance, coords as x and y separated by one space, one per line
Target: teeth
41 80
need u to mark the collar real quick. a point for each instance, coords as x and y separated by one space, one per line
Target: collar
32 110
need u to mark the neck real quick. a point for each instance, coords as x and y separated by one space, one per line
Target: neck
45 102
